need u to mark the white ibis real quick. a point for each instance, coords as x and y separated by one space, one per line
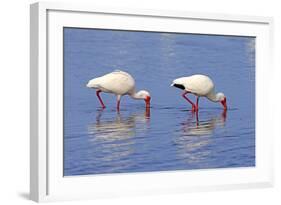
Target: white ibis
201 86
119 83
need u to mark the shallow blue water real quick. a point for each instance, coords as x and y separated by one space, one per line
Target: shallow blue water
172 137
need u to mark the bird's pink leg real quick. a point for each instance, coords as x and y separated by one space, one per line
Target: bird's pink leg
118 105
197 119
188 100
118 102
98 95
197 104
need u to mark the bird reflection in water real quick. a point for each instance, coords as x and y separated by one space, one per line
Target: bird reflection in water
195 135
115 139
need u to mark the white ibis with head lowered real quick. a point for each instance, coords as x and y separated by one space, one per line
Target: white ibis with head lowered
201 86
119 83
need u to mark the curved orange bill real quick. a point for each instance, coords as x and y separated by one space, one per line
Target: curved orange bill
223 102
147 102
147 112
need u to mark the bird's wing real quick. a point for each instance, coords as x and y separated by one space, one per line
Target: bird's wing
120 72
96 83
197 84
182 82
117 82
200 84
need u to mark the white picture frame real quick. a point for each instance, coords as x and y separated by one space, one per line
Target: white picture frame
46 179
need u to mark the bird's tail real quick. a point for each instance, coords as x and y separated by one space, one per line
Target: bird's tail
92 84
178 81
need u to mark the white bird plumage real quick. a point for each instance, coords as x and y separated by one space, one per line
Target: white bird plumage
119 83
201 86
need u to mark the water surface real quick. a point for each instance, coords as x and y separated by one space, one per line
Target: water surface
171 137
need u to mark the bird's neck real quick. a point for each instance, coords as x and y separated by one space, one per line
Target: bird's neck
136 95
213 97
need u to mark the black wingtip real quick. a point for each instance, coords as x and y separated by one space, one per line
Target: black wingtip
179 86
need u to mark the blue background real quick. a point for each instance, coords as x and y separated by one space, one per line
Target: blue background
102 141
